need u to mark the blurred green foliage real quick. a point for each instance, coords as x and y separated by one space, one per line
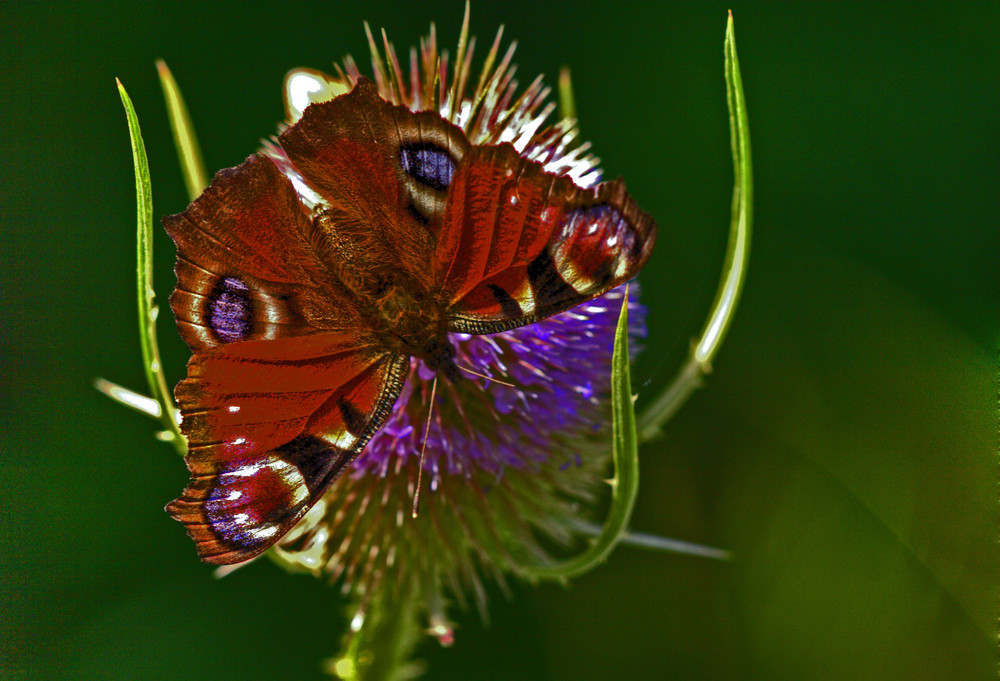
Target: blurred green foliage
845 446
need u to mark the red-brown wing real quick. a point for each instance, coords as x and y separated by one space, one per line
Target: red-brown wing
270 425
518 244
508 243
284 388
247 263
381 167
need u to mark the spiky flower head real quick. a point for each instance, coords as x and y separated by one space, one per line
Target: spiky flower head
514 458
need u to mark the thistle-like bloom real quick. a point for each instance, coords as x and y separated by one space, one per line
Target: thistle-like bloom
513 456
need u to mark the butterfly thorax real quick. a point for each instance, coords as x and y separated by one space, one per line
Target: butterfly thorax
388 280
395 300
413 327
412 324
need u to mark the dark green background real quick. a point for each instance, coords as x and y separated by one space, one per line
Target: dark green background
844 449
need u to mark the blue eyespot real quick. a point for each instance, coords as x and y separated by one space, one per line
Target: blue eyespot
230 310
428 164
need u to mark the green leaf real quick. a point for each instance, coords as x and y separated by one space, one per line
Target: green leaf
737 260
625 484
193 168
738 252
147 306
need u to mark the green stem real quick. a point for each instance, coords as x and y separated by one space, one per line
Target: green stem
380 645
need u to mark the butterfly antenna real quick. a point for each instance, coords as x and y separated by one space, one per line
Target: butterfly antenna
423 448
488 378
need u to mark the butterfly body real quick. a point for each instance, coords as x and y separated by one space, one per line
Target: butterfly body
308 280
398 307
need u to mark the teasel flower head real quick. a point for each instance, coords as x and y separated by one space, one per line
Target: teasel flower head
514 458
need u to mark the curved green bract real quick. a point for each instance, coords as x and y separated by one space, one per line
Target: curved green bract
192 167
738 252
147 306
737 261
625 454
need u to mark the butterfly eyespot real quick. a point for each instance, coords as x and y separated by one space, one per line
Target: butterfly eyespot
230 310
263 532
594 244
428 164
239 522
605 223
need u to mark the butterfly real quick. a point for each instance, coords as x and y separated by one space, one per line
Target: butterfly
303 314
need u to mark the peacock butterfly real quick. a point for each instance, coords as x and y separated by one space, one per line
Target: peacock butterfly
303 315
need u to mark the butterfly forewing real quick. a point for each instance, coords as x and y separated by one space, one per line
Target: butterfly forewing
518 244
381 166
247 266
511 243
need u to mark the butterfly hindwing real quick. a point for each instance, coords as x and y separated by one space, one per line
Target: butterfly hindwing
270 424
